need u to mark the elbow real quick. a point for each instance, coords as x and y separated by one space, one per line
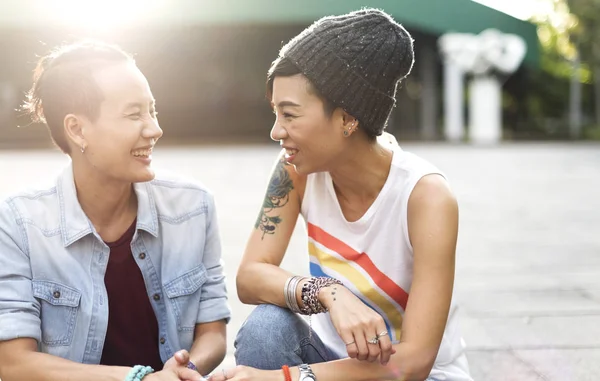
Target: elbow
420 373
417 366
416 372
421 366
241 285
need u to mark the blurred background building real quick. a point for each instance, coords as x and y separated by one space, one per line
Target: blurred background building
206 62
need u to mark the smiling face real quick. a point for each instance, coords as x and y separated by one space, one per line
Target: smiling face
313 138
119 142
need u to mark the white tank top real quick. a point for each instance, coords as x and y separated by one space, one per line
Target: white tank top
373 256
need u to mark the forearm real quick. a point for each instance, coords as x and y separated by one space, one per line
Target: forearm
262 283
405 364
26 366
208 351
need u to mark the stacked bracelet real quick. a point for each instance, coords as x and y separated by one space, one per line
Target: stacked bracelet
310 294
138 373
289 292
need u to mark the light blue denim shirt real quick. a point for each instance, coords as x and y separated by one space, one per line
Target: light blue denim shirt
52 265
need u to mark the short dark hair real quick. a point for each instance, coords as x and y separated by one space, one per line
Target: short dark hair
283 67
63 83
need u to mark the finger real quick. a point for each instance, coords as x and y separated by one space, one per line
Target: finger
362 346
350 345
220 375
188 374
373 345
216 377
182 357
385 344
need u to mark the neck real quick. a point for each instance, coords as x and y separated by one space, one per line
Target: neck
106 202
362 173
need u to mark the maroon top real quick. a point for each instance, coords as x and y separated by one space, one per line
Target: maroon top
132 335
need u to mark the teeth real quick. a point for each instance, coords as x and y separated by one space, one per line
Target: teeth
142 153
291 152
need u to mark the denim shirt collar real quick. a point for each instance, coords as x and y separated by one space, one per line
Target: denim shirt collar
74 224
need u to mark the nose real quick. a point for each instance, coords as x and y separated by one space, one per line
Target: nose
278 132
152 130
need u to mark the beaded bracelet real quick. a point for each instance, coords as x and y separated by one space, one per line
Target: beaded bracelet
310 294
192 366
286 373
138 373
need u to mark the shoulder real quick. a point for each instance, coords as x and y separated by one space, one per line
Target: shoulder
178 196
37 207
432 189
413 164
432 202
31 202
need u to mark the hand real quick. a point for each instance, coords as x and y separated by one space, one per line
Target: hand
245 373
178 363
356 324
177 374
180 358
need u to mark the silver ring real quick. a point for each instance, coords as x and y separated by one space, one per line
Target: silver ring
384 333
374 340
350 343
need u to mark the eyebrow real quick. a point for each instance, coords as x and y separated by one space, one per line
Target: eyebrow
287 103
138 104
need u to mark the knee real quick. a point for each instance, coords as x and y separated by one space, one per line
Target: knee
268 324
269 329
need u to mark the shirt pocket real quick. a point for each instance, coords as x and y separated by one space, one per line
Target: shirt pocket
59 308
184 294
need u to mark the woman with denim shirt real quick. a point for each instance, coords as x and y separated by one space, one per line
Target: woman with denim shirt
381 223
112 273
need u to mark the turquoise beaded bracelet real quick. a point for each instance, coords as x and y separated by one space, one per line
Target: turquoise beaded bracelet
138 372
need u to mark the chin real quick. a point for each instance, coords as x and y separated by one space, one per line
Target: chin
303 169
143 176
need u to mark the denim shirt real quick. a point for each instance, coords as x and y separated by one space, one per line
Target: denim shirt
52 266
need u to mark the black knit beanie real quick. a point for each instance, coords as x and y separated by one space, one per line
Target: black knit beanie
355 61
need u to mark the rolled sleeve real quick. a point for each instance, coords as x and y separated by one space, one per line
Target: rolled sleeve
19 310
213 300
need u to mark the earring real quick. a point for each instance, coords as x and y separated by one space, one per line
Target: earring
345 133
82 148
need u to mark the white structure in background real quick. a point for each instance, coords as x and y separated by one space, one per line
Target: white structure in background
482 56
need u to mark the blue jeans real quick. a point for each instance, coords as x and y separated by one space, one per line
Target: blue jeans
273 336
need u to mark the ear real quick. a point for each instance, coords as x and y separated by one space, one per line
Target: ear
74 131
349 124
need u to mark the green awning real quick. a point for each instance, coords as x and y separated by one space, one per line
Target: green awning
432 16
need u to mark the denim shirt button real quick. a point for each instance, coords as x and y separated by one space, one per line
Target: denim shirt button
156 297
162 340
56 294
142 256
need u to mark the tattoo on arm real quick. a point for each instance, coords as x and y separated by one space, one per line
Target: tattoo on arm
277 196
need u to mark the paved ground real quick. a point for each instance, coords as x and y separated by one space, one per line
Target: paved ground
528 274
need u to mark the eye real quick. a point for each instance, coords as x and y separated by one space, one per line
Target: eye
135 116
287 115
